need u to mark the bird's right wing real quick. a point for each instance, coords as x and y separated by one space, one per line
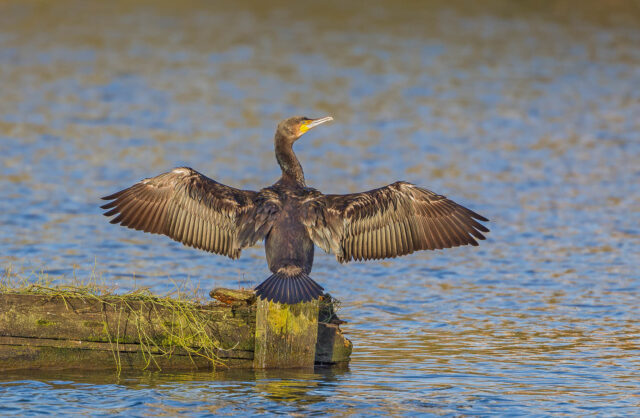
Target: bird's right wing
394 220
190 208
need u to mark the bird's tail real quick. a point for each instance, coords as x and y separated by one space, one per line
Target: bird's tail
289 285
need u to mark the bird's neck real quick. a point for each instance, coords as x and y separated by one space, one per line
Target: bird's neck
291 168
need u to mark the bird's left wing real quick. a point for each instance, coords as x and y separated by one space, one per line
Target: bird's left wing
390 221
190 208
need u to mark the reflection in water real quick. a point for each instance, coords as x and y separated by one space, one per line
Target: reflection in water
525 109
213 392
297 387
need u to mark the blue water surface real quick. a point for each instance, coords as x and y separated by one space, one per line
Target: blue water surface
527 114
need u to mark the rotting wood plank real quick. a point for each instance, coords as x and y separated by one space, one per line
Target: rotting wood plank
123 348
45 355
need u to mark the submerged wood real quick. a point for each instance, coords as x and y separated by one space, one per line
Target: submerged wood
57 332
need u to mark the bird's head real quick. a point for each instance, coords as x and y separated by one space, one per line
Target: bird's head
293 128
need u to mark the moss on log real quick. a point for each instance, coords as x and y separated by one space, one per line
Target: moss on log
286 335
57 331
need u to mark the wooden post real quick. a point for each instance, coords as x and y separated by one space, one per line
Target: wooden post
286 335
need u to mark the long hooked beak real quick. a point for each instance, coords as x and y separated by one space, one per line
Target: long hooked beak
315 122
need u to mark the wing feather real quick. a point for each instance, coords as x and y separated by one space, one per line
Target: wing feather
138 221
190 208
147 216
392 239
405 237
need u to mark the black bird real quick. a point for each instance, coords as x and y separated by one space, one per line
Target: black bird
394 220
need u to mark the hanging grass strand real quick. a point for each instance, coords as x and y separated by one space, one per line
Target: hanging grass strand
159 326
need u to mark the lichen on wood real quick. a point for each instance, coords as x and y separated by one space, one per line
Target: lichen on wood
286 335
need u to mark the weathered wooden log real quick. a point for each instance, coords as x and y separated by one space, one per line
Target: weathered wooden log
56 331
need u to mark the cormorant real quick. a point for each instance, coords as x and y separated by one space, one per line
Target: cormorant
197 211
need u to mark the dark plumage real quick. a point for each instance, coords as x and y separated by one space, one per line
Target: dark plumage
394 220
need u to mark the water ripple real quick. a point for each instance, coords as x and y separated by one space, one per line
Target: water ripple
509 108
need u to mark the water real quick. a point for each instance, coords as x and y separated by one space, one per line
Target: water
528 115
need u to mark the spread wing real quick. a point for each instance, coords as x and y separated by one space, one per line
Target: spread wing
394 220
190 208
